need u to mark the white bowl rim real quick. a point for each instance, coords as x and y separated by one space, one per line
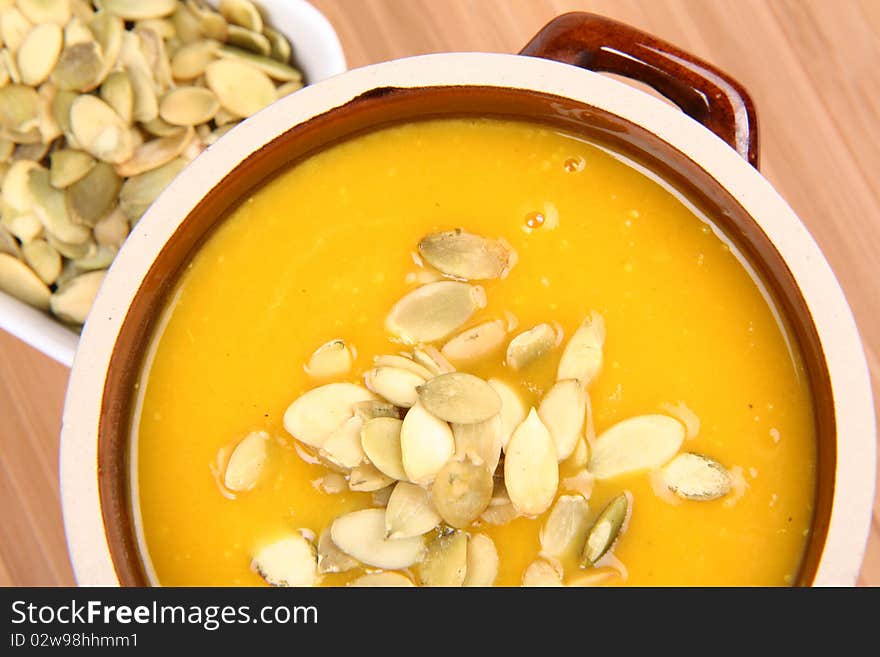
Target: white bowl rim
836 327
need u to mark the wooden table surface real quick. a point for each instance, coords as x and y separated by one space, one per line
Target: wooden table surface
813 68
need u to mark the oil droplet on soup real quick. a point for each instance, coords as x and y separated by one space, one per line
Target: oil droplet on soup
690 332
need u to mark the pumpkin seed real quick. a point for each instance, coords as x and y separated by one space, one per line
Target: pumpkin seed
564 533
117 92
431 359
513 409
6 148
582 356
111 230
394 384
465 255
81 9
72 300
19 109
281 50
366 478
594 577
477 342
14 27
99 130
43 259
191 60
247 40
499 515
45 11
93 196
315 415
288 561
139 192
73 251
288 88
155 153
403 363
580 457
68 166
48 127
211 24
16 186
426 444
240 88
562 410
17 279
331 359
343 447
373 408
331 483
80 67
383 579
433 311
25 227
161 26
50 206
531 473
225 117
39 53
605 530
531 345
541 573
273 68
482 561
188 106
459 397
380 441
445 563
409 512
108 30
462 491
330 558
76 32
146 103
242 13
246 462
159 128
8 244
135 10
361 534
186 23
644 442
102 258
480 441
696 477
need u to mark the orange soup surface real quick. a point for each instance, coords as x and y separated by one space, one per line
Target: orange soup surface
326 249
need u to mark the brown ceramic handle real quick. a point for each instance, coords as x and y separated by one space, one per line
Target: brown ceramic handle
701 91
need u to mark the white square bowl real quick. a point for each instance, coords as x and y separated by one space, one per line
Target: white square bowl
318 54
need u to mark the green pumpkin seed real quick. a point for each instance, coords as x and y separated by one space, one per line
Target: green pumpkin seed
211 24
565 531
93 196
39 53
188 106
117 92
145 108
73 299
45 11
271 67
394 384
343 447
25 227
531 472
139 192
112 229
242 89
482 561
644 442
102 258
426 444
80 67
362 535
582 356
153 49
135 10
14 27
462 490
465 255
477 342
108 30
433 311
99 130
242 13
480 441
159 128
77 32
563 411
459 397
17 279
19 108
380 440
605 530
247 40
51 208
315 415
696 477
445 563
43 259
187 25
161 26
60 107
531 345
68 166
280 46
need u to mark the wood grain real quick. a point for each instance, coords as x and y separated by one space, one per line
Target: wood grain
811 66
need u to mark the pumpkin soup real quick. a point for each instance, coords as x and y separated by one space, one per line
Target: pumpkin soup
471 352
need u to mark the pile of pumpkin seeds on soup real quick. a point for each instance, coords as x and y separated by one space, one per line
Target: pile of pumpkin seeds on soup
102 104
447 454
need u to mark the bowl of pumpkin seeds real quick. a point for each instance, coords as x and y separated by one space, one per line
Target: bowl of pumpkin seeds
102 104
